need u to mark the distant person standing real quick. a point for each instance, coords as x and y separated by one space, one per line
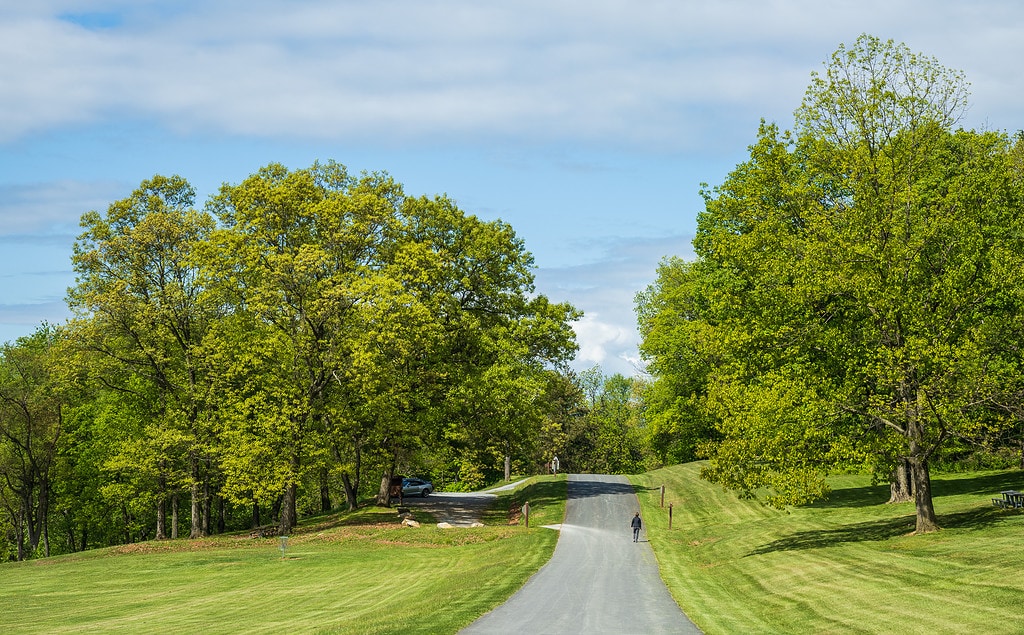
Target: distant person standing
636 524
554 465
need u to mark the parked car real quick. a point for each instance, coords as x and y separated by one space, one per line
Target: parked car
413 486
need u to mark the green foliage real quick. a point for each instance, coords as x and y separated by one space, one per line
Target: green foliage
607 433
680 351
851 302
307 333
30 429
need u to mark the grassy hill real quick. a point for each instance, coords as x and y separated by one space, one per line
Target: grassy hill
848 565
347 573
845 566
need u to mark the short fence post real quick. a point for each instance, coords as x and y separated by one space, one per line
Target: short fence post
670 515
526 513
662 495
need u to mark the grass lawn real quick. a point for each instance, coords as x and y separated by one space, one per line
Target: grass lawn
347 573
848 565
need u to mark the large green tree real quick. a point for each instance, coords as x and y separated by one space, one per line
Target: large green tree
851 281
676 341
31 422
298 255
144 314
364 322
308 327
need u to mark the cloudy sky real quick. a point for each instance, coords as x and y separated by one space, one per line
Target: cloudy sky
588 125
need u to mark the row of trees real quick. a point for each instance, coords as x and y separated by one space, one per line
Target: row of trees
856 298
306 331
277 353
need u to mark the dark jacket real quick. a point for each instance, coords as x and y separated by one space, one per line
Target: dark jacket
635 523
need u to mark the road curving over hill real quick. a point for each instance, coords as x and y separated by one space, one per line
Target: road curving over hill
598 580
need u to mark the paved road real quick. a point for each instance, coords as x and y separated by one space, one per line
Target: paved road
455 508
598 580
459 509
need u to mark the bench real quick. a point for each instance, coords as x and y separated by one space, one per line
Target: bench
1011 499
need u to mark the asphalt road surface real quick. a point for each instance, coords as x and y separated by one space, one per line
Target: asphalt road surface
598 580
458 509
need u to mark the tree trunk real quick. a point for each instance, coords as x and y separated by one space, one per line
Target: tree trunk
287 519
174 515
359 465
221 515
197 520
384 493
207 504
69 522
161 508
901 487
926 520
127 524
918 459
351 496
325 491
31 521
19 532
44 513
255 514
508 467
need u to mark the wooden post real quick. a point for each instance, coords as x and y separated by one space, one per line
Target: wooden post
670 515
526 513
662 495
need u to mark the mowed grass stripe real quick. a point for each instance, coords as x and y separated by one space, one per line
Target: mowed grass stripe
356 574
845 566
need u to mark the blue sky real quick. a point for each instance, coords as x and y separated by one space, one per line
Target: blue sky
587 125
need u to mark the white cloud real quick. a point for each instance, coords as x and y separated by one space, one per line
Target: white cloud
605 290
44 211
651 73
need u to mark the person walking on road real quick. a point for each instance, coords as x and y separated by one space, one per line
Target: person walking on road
635 524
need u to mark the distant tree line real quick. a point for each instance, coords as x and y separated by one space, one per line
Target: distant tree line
856 301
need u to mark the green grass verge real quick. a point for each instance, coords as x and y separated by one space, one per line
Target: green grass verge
848 565
349 573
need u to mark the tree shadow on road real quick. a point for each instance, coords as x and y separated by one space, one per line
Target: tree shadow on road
586 489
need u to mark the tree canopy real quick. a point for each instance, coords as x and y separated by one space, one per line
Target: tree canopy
853 293
306 332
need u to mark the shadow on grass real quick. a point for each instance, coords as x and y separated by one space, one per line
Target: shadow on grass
872 531
854 497
984 485
366 515
881 530
987 485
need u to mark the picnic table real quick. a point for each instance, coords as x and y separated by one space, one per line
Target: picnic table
1011 499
